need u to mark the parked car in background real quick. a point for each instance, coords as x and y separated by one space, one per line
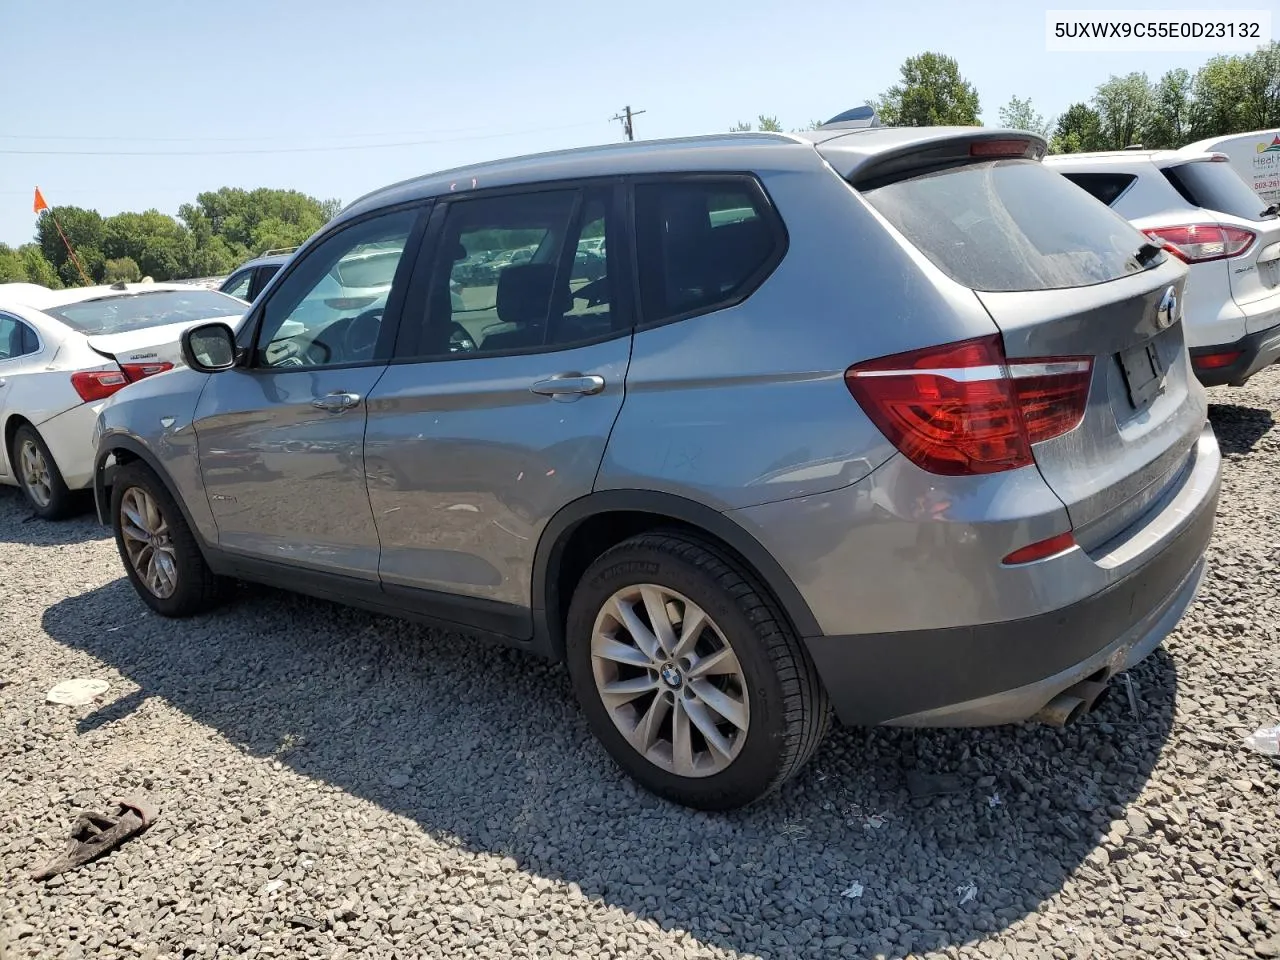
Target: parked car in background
891 423
249 279
63 352
1254 156
1196 205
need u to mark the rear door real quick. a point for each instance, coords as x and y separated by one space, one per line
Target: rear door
1065 280
499 405
281 439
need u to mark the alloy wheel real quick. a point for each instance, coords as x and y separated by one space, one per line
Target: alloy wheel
147 542
670 680
35 473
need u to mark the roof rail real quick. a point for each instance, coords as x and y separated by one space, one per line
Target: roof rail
275 252
858 118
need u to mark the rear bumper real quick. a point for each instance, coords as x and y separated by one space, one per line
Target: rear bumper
69 437
1257 351
1006 671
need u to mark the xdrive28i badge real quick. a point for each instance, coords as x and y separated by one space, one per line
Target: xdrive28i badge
1168 310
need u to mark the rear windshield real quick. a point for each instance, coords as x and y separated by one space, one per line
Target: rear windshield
1214 185
1011 225
137 311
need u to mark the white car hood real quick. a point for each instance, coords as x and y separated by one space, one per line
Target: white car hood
153 344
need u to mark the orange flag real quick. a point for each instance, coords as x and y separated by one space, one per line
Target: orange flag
40 204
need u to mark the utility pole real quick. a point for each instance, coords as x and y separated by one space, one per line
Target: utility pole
625 117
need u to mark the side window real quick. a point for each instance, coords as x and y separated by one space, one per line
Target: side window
16 338
701 244
237 285
521 272
328 310
261 277
1106 187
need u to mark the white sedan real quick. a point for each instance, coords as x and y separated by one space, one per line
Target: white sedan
63 352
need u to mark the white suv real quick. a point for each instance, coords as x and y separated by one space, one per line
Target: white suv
1197 207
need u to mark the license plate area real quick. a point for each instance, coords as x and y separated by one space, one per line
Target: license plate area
1144 370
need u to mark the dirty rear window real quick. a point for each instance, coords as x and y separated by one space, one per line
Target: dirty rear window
1011 225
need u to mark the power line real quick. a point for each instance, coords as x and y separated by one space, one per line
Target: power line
627 126
274 139
325 149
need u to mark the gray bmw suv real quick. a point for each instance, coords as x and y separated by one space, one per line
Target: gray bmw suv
895 425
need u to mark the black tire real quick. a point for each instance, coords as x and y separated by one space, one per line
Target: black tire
62 502
196 588
790 713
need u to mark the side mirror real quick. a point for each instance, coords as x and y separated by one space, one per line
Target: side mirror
209 347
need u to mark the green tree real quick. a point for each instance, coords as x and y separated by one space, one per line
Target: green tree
1168 124
84 230
1019 114
238 215
1078 130
39 270
740 127
769 124
121 269
160 246
12 269
932 93
1124 108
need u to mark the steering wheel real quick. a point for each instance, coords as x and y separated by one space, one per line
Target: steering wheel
361 336
460 341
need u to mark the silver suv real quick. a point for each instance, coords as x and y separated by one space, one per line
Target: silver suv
891 424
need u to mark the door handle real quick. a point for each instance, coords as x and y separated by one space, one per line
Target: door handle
337 401
569 385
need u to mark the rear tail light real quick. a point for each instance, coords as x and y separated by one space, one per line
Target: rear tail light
1202 242
963 409
97 384
1044 548
137 371
1216 361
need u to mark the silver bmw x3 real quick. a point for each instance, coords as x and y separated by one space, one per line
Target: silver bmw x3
754 430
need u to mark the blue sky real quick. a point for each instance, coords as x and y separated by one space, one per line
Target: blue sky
205 82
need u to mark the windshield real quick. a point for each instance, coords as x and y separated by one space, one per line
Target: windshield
1214 185
1011 225
137 311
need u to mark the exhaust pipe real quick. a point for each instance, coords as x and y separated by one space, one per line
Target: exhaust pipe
1071 704
1060 711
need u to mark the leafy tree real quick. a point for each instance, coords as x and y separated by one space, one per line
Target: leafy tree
1018 114
330 208
12 269
39 270
159 245
769 124
1123 105
238 216
932 93
1078 129
121 269
1168 125
84 230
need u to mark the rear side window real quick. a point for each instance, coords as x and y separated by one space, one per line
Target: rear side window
1216 186
702 244
1106 187
1010 225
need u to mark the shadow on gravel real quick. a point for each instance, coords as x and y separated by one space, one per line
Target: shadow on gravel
485 745
1239 428
19 525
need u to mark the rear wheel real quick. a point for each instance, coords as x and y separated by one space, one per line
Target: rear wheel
689 675
160 553
38 475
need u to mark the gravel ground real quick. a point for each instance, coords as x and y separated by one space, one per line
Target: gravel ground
335 784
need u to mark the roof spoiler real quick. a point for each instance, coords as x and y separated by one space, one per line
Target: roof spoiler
858 118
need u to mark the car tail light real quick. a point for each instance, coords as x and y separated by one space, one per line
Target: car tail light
137 371
97 384
1044 548
963 409
1202 242
1216 361
1000 148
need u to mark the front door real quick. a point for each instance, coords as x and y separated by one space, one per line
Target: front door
281 438
497 413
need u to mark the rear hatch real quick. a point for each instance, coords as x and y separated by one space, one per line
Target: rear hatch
1245 221
1066 280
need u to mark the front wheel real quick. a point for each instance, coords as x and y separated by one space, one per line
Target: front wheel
160 553
688 674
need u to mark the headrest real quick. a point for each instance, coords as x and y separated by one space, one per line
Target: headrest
524 292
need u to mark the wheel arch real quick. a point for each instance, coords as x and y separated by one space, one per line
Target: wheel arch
125 449
585 528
